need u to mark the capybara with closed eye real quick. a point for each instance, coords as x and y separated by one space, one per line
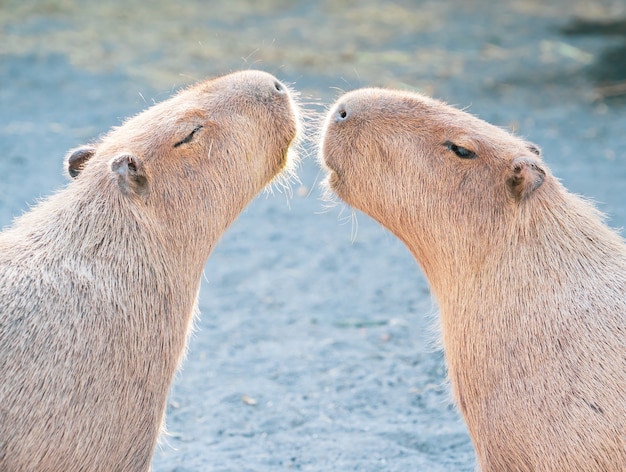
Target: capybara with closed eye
99 283
530 283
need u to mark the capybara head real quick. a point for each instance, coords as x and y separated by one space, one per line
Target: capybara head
418 165
213 145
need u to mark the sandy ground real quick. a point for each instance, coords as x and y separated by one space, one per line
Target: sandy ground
315 349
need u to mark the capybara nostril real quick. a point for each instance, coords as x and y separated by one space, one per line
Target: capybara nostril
280 88
341 113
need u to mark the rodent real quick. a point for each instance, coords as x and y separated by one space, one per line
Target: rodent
99 282
530 281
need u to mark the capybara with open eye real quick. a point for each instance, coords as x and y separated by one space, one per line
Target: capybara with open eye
99 283
530 283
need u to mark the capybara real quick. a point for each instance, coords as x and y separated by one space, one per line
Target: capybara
99 283
530 283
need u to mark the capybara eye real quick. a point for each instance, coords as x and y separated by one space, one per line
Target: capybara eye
189 137
279 87
460 151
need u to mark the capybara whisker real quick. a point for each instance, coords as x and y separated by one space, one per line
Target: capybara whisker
354 223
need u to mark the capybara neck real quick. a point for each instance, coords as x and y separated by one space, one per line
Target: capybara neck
498 244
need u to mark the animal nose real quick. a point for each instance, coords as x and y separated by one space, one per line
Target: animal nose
341 114
280 88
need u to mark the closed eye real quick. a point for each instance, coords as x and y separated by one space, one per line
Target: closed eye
461 152
189 137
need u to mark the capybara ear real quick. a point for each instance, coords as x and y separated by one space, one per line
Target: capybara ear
130 174
77 158
526 176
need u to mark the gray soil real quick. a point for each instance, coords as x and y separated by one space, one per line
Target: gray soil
316 348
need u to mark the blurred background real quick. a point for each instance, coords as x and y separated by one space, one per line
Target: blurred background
316 348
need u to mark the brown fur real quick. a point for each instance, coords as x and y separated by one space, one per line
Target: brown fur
98 283
531 284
